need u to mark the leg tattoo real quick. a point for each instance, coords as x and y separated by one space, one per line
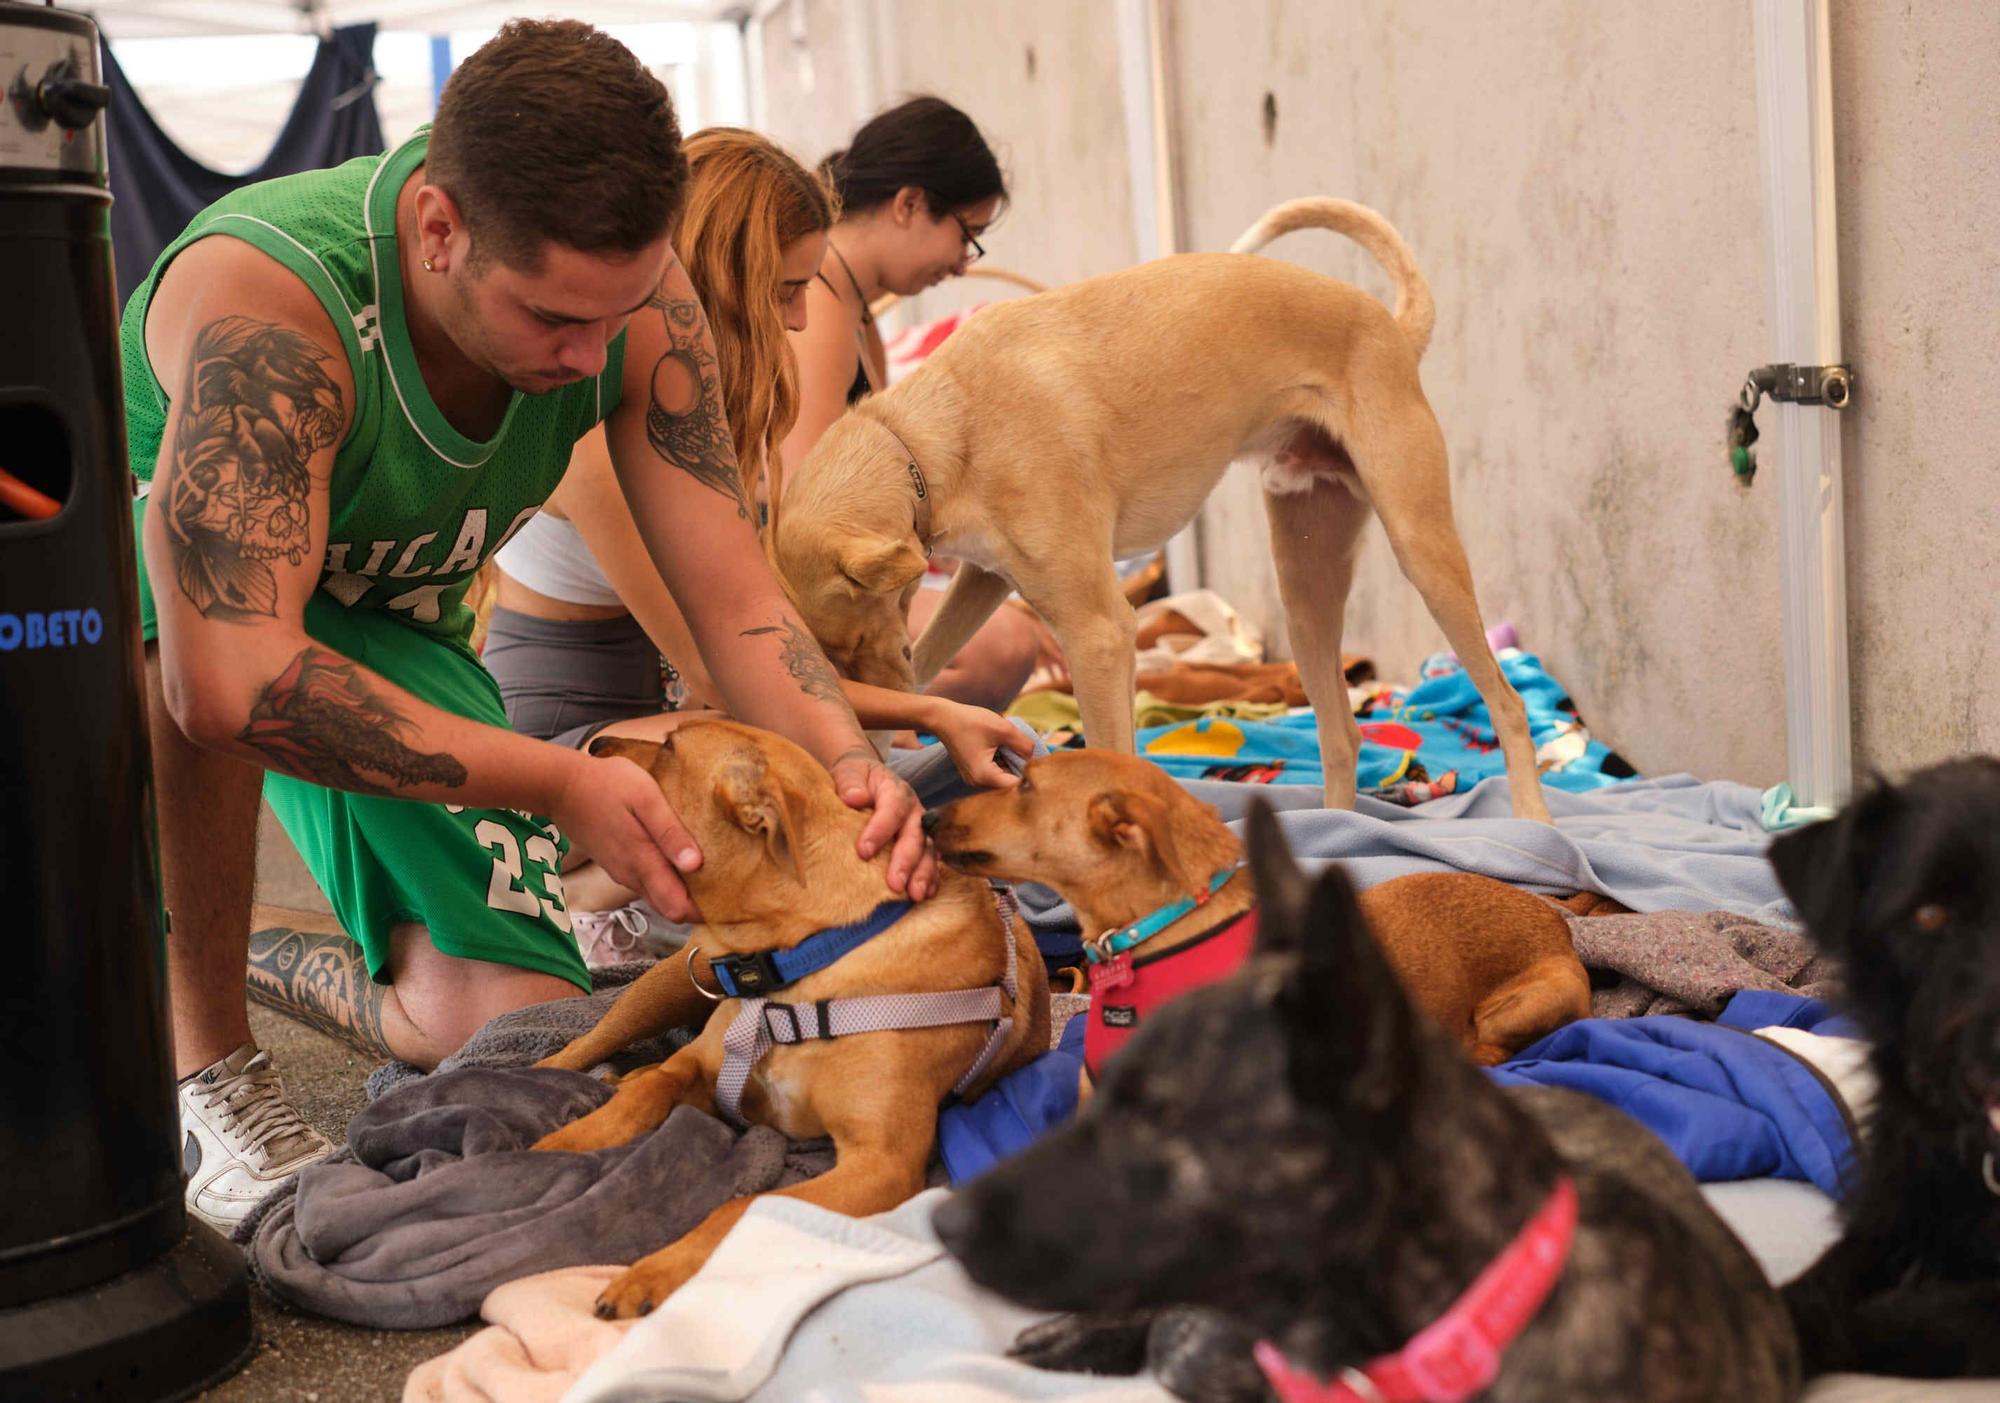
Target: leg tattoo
322 981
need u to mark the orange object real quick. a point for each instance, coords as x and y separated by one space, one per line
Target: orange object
30 502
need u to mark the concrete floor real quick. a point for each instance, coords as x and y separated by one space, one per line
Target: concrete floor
305 1358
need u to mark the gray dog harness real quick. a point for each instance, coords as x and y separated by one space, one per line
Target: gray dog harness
761 1024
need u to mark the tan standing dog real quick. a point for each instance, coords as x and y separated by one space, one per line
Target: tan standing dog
1052 434
779 865
1118 838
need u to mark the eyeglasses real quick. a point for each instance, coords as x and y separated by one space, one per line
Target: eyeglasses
978 252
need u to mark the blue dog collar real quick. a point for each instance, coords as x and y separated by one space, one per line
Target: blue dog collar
761 971
1117 942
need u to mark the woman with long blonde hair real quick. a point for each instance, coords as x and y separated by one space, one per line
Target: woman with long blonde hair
584 638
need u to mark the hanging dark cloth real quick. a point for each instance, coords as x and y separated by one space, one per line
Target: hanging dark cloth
157 187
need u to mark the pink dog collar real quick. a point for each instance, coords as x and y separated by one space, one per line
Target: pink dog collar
1457 1355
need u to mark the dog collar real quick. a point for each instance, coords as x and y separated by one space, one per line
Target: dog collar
922 520
1117 942
761 971
1458 1355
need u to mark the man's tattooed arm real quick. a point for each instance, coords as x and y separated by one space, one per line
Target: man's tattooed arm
322 981
684 418
804 661
257 406
319 720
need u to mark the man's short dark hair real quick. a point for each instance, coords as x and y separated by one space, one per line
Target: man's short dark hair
553 131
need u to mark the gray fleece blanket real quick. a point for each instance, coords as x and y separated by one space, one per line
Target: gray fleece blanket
1692 961
436 1199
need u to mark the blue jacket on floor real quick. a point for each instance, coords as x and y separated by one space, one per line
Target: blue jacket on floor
1017 1111
1730 1105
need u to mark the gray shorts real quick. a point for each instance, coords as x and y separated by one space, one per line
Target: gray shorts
566 681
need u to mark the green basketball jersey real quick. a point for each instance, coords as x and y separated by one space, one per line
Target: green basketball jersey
415 505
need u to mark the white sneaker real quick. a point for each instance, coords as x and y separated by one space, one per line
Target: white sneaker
615 937
243 1138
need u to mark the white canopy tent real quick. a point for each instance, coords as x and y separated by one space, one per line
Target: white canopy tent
167 19
221 75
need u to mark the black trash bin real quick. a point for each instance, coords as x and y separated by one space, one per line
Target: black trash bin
107 1289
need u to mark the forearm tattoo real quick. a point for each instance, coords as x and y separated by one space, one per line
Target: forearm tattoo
322 981
256 408
319 720
684 418
804 661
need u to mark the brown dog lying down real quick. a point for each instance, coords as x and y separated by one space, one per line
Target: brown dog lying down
778 867
1119 839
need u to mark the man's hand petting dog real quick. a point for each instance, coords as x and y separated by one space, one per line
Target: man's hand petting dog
864 782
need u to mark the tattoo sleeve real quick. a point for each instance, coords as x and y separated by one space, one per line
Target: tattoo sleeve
684 418
804 661
256 408
322 981
319 720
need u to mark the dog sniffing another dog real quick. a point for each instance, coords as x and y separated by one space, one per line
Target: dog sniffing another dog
1125 845
1302 1185
1904 886
1051 434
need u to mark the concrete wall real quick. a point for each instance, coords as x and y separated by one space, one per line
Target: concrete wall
1580 182
1918 136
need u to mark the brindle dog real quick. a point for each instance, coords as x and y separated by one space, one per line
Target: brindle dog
1904 886
1298 1155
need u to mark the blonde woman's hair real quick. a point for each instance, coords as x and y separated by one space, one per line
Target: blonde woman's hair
747 201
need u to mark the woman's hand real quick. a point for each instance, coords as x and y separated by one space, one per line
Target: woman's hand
971 735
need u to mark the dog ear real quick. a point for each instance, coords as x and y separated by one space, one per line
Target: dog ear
1824 867
1140 823
1284 890
882 565
643 753
757 803
1349 1024
1353 1024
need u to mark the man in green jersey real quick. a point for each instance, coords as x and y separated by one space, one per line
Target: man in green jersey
344 390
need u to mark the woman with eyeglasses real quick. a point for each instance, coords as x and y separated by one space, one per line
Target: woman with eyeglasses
918 187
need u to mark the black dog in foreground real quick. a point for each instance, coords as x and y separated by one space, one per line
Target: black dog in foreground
1292 1178
1904 886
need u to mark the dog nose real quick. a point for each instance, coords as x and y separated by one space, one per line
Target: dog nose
932 818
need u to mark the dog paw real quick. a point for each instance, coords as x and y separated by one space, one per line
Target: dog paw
1196 1353
1085 1344
638 1292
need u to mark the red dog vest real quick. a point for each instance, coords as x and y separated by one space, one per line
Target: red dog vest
1128 987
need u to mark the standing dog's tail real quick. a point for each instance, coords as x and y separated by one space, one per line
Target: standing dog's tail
1415 312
